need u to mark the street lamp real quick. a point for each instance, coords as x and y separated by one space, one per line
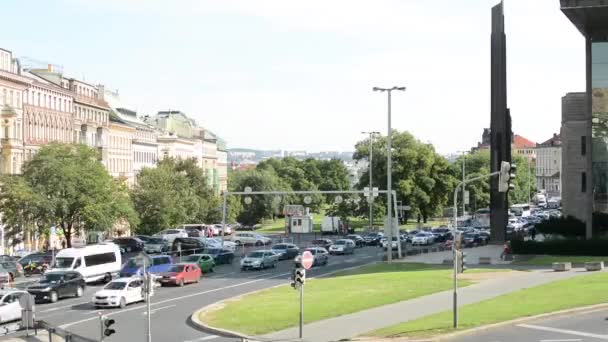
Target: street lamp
389 167
463 179
370 198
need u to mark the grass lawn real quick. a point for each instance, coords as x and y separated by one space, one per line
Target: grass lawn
559 295
346 292
547 260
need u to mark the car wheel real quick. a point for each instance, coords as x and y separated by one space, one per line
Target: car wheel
107 278
262 266
79 291
181 282
11 278
128 249
258 243
237 242
53 297
123 302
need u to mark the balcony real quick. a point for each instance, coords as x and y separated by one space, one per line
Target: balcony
11 142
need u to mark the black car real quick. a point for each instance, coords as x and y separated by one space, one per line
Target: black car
37 258
57 284
129 244
359 242
194 232
325 243
373 239
286 251
220 256
472 239
188 246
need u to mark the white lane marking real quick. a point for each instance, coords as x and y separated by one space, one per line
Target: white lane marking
174 299
564 331
563 340
157 309
93 312
205 338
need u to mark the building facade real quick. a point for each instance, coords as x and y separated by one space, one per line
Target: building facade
549 166
524 147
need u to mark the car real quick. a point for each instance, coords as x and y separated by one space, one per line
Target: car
119 293
373 239
180 274
5 257
194 232
13 267
98 262
220 229
156 245
423 238
10 306
342 246
217 243
250 238
129 244
259 260
154 264
323 243
320 257
171 234
394 242
220 256
359 242
286 251
54 285
472 239
144 238
187 246
204 261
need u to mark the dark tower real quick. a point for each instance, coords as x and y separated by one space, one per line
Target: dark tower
500 124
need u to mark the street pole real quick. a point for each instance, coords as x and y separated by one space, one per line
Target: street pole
463 178
529 176
301 310
389 166
100 327
148 300
224 218
371 187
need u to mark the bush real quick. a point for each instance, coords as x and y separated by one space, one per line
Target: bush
593 247
568 226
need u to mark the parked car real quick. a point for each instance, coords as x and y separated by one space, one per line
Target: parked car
220 229
194 232
5 276
358 239
373 239
320 257
259 260
171 234
98 262
156 245
129 244
394 243
220 256
13 267
249 238
119 293
54 285
12 257
180 274
187 246
423 238
204 261
323 243
155 264
217 243
10 307
286 251
472 239
342 246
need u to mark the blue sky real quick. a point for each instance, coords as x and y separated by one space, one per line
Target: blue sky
298 74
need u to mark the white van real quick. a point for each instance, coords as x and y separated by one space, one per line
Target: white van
330 225
94 262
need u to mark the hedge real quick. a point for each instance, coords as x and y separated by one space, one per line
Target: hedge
570 226
593 247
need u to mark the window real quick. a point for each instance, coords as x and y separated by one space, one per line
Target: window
99 259
583 145
11 99
583 182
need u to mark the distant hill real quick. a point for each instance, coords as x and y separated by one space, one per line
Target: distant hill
242 154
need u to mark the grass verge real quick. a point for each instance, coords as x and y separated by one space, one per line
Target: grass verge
346 292
547 260
559 295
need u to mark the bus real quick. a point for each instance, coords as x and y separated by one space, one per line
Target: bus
521 210
482 218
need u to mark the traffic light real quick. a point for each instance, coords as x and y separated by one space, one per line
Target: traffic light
506 176
298 277
461 261
107 324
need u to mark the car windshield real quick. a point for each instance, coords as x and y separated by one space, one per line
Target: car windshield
159 261
116 285
51 278
280 247
177 268
341 242
63 262
255 255
155 241
192 258
135 262
318 242
420 235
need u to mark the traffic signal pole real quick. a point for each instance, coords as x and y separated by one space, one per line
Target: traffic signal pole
301 310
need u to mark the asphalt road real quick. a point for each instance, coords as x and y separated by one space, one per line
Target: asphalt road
172 307
583 327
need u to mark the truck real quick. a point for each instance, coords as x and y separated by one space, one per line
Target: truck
330 225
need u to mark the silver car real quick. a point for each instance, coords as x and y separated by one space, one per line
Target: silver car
259 260
342 246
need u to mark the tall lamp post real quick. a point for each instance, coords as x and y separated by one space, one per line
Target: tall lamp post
464 153
370 198
389 167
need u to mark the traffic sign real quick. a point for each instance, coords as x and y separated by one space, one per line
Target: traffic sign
307 260
375 192
466 197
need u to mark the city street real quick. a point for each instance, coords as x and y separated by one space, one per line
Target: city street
172 307
583 327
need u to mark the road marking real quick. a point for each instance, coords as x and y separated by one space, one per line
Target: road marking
157 309
564 331
217 275
563 340
93 312
63 326
205 338
63 307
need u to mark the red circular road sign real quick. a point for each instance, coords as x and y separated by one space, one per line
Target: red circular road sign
307 260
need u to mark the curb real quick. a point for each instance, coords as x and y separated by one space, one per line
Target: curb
229 333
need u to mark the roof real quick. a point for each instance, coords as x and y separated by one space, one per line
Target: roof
589 16
555 140
521 142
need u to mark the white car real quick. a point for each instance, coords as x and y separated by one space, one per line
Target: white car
119 293
249 238
170 234
217 243
10 307
217 229
423 238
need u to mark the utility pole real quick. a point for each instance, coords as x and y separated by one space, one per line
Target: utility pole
370 200
463 185
389 171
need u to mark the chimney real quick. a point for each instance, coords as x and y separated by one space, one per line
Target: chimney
50 67
100 91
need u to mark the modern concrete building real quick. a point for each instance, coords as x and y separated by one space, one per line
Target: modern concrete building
549 166
585 140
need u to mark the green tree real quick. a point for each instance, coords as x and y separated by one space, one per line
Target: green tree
66 185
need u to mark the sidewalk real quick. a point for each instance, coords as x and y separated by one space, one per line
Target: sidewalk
473 254
44 337
355 324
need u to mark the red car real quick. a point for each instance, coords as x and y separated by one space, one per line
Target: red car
180 274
